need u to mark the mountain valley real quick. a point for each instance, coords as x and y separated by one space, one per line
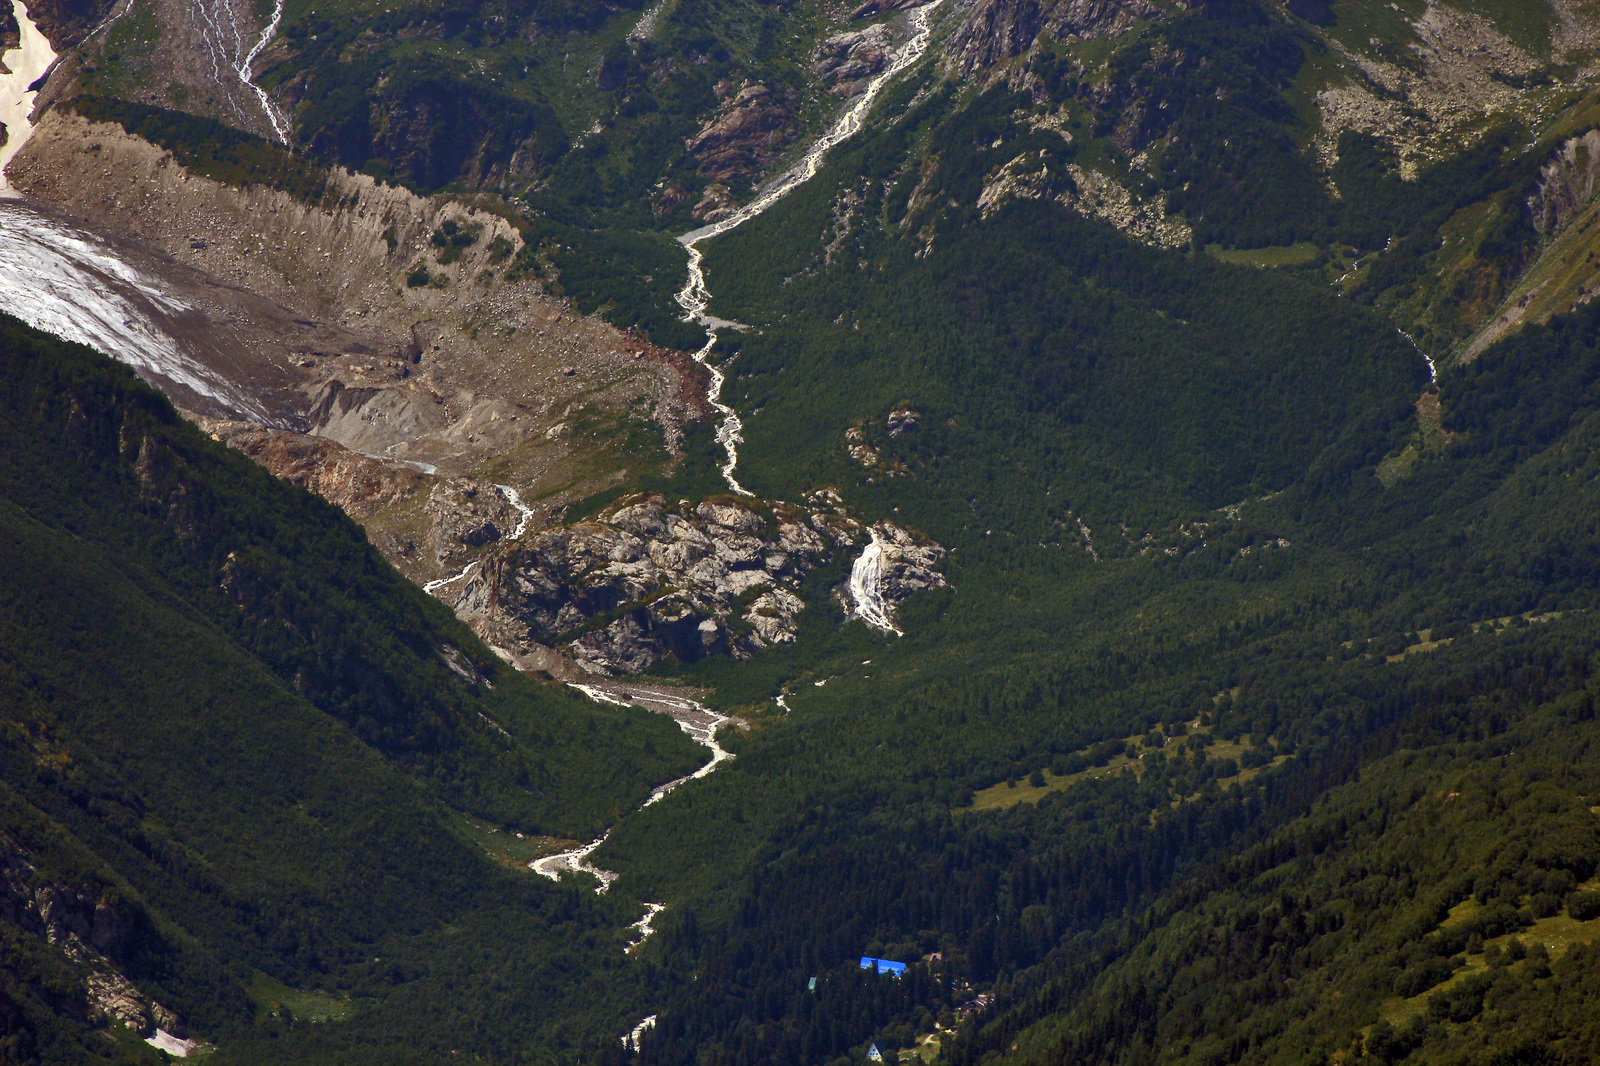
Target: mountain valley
1103 490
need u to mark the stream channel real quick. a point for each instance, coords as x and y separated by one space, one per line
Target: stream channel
66 282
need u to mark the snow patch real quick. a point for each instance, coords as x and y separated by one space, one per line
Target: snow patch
165 1041
27 64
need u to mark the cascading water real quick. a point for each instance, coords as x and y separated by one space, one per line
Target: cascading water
695 297
513 497
223 39
866 587
695 719
698 721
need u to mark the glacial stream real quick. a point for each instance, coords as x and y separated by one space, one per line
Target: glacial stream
66 282
695 719
695 296
513 497
224 41
866 575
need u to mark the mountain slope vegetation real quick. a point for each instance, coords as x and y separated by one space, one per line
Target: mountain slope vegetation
244 747
1255 723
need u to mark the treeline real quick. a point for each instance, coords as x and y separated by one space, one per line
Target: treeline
211 149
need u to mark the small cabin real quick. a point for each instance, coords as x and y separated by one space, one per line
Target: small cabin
893 969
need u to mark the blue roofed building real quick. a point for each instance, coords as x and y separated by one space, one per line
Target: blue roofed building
893 969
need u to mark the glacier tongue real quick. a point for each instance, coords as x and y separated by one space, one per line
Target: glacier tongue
62 281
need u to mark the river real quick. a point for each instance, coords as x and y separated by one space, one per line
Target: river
695 299
67 282
695 296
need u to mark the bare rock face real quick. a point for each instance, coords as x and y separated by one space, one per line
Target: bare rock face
716 201
747 132
908 563
316 464
902 420
997 30
427 524
93 929
1033 176
1566 184
643 580
67 22
846 60
647 579
905 566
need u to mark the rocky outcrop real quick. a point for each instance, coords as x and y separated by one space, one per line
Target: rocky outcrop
1567 184
643 580
93 927
902 420
716 201
67 22
747 132
1035 176
846 61
997 30
427 524
649 579
906 566
1459 70
855 442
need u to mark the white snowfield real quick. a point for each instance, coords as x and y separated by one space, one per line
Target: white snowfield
27 65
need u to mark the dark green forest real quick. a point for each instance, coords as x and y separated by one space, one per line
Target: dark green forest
230 723
1217 748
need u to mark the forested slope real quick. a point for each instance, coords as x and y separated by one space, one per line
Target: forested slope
1322 767
233 740
1255 723
1285 633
